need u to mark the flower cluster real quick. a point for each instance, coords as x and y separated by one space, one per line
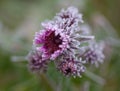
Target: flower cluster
61 40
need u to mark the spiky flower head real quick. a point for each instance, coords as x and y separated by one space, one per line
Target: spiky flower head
36 63
71 67
51 41
94 53
69 19
62 41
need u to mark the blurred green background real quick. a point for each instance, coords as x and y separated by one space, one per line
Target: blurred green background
20 19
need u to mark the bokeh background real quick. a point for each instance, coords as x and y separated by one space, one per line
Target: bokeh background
20 19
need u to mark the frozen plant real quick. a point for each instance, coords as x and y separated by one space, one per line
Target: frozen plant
61 40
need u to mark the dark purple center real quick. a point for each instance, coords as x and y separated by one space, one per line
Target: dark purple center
68 70
52 42
65 16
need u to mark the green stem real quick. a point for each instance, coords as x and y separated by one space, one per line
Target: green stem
48 84
95 78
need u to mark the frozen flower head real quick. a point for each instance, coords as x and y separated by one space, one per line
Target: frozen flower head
36 64
94 53
70 15
71 67
62 41
51 41
69 19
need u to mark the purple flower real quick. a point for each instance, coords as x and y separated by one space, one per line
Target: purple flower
71 16
60 35
94 53
69 20
51 41
71 67
63 41
36 63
